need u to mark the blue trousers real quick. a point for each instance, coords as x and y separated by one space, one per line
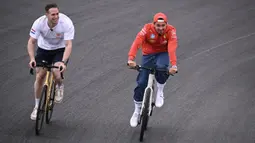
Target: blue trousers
158 61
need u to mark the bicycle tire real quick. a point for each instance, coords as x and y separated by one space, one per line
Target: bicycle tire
145 116
50 106
41 111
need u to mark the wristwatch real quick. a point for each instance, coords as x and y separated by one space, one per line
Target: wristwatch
64 62
174 66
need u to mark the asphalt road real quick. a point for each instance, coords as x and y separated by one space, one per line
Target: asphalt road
211 100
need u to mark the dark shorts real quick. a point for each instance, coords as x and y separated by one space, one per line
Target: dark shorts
50 56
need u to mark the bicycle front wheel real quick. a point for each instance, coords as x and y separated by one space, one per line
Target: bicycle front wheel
50 105
145 113
41 111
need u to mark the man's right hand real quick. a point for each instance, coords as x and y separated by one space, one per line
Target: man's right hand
131 63
32 63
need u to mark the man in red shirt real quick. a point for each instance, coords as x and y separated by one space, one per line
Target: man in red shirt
158 41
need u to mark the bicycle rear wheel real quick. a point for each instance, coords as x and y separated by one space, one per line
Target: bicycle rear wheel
41 111
145 116
50 105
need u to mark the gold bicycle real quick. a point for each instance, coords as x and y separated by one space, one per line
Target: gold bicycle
46 103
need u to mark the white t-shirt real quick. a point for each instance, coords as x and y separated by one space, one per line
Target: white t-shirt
55 39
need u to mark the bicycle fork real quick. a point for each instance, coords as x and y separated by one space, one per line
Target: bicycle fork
48 82
149 86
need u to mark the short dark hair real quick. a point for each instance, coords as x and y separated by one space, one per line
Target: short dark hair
49 6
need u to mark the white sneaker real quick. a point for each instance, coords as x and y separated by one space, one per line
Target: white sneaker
134 119
34 114
159 99
59 93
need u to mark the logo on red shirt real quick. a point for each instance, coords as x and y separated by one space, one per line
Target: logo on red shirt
152 36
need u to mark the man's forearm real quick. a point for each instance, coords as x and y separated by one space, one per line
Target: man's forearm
30 49
67 52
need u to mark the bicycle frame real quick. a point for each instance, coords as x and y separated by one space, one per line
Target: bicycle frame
48 79
150 85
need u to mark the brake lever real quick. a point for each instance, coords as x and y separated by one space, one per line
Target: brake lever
61 72
31 71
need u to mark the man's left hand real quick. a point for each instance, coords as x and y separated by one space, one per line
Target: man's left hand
173 70
63 67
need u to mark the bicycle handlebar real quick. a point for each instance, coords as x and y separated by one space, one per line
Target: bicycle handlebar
46 66
138 67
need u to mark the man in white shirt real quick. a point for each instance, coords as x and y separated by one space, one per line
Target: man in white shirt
53 33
